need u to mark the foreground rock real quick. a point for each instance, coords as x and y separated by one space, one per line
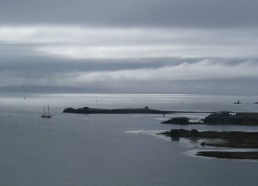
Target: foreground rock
87 110
178 120
181 121
231 139
251 155
227 118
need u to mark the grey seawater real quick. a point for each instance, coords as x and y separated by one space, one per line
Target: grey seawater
75 150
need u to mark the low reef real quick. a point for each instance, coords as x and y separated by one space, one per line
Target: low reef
232 139
226 139
180 121
227 118
88 110
220 118
251 155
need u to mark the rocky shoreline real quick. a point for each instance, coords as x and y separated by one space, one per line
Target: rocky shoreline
231 139
228 139
250 155
220 118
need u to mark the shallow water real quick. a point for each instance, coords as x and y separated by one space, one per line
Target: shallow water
71 149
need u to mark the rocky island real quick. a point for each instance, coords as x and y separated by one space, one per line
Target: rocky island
220 118
179 121
233 139
227 118
88 110
229 139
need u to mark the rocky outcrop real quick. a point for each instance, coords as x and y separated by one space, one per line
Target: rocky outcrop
232 139
227 118
219 118
88 110
229 139
251 155
178 120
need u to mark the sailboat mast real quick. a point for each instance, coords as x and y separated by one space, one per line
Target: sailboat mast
48 109
46 113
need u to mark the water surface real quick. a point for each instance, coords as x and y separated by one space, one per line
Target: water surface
71 149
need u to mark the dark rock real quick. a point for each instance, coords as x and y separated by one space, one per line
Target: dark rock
252 155
177 132
232 139
227 118
178 120
71 110
88 110
194 131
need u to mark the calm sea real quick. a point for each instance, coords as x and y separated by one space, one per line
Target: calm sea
78 150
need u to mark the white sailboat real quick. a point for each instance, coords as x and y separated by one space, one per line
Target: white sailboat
46 114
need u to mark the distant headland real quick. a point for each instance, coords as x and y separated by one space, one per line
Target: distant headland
88 110
144 110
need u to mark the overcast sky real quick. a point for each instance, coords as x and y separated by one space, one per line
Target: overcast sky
129 46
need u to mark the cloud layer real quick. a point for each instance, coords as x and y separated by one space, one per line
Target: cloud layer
84 42
147 46
173 75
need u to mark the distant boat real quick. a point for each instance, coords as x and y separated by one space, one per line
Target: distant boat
238 102
46 114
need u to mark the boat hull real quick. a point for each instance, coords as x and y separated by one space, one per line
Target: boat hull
45 116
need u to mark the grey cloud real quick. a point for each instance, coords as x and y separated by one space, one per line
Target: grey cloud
43 66
46 65
231 87
165 13
49 46
160 75
82 42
